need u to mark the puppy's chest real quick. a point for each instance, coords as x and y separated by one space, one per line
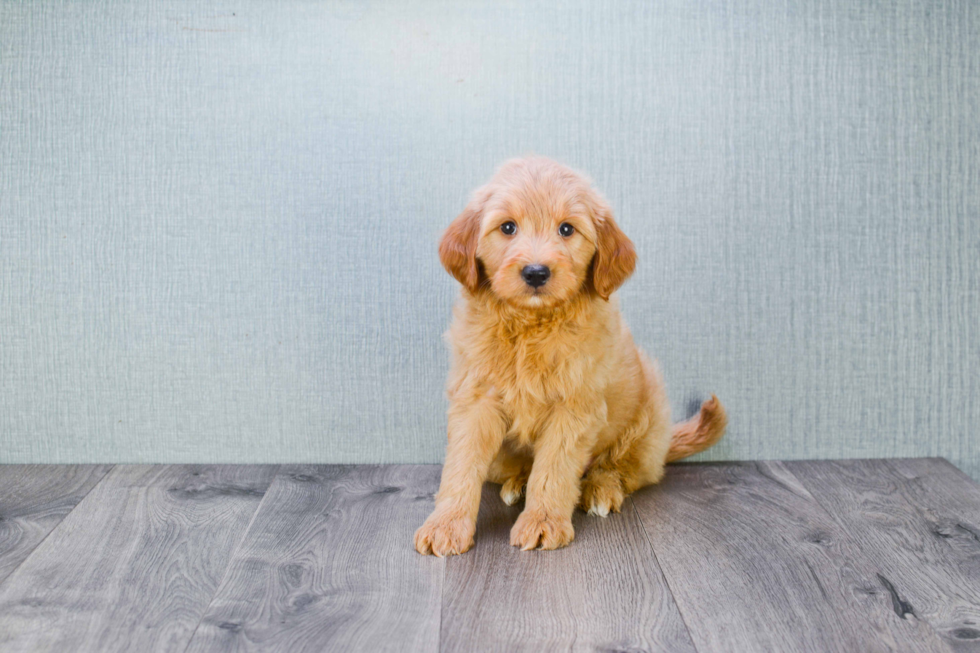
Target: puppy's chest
531 375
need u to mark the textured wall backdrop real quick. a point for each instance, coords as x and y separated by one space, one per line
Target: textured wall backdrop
218 219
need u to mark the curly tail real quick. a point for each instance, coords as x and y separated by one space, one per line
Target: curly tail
699 432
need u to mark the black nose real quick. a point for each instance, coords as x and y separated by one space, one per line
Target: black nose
535 275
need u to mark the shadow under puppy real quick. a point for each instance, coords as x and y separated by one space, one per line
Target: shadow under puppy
547 390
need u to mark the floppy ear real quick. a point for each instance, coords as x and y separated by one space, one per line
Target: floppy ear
457 249
615 257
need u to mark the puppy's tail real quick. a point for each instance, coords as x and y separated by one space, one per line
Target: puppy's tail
699 432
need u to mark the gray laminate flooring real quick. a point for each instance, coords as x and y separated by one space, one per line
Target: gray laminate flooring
857 555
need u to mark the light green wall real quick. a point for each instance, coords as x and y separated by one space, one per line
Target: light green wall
218 219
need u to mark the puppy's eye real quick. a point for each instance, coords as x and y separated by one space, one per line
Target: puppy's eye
508 228
566 229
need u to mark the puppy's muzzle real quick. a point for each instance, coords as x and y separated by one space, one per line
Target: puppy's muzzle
535 275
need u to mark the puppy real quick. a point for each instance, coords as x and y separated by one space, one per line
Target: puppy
547 390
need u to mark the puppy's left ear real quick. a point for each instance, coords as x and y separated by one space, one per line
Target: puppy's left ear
457 249
615 257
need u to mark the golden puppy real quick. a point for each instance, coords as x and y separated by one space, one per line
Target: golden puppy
546 384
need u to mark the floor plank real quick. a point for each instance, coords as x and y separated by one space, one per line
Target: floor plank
919 521
134 565
328 564
843 555
33 500
755 563
604 592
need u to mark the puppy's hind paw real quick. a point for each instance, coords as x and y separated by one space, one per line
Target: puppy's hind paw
601 499
512 490
599 510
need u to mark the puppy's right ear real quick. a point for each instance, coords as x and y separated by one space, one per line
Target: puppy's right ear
457 249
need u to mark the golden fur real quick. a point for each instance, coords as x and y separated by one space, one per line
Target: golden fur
547 389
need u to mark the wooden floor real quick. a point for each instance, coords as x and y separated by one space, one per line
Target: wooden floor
796 556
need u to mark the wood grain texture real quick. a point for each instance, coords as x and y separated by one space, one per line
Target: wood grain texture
919 522
134 565
328 564
33 500
856 556
755 563
604 592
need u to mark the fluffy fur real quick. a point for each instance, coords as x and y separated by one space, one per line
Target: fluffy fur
547 390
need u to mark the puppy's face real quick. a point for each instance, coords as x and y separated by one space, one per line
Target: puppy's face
536 235
536 244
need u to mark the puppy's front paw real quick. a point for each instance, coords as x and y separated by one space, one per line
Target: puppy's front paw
445 535
539 530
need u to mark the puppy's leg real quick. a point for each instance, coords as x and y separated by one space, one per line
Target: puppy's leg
635 460
476 431
560 455
637 456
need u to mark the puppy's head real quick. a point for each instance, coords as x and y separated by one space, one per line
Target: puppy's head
536 235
